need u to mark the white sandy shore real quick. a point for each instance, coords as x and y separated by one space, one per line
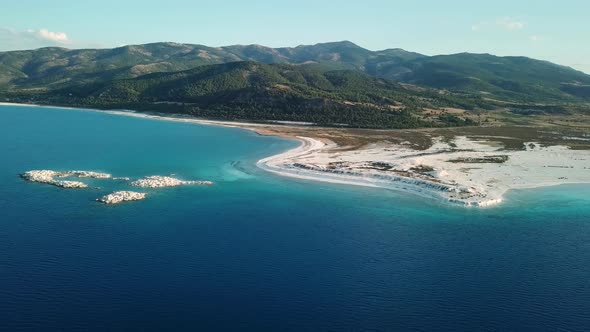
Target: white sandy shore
452 173
467 172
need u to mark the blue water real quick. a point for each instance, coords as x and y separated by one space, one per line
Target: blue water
260 252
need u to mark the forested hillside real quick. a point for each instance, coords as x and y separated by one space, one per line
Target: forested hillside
255 91
513 79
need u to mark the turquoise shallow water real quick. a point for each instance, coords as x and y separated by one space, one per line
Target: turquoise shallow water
261 252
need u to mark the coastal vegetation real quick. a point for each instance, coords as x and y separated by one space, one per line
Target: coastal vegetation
260 92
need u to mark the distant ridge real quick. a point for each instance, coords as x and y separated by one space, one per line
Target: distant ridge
506 78
249 90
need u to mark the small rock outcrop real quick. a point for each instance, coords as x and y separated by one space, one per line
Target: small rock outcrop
157 181
121 196
122 178
85 174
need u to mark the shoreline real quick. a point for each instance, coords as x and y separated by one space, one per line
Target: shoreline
151 115
418 188
267 164
430 174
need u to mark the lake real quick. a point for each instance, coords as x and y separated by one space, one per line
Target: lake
257 251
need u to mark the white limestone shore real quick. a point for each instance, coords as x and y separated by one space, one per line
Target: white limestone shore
121 196
156 181
464 171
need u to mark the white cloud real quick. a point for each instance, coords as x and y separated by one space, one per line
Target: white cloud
510 24
11 39
58 37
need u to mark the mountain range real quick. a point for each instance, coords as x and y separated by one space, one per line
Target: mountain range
498 77
324 83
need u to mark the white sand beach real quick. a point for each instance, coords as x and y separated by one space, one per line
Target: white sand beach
463 171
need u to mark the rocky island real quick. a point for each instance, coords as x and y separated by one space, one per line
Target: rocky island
49 177
156 181
121 196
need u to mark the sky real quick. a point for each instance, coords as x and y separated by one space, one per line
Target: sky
557 31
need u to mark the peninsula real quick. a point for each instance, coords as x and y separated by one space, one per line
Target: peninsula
464 171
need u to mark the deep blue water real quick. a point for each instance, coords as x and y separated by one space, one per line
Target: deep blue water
261 252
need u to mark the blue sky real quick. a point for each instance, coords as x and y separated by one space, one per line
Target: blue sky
557 31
